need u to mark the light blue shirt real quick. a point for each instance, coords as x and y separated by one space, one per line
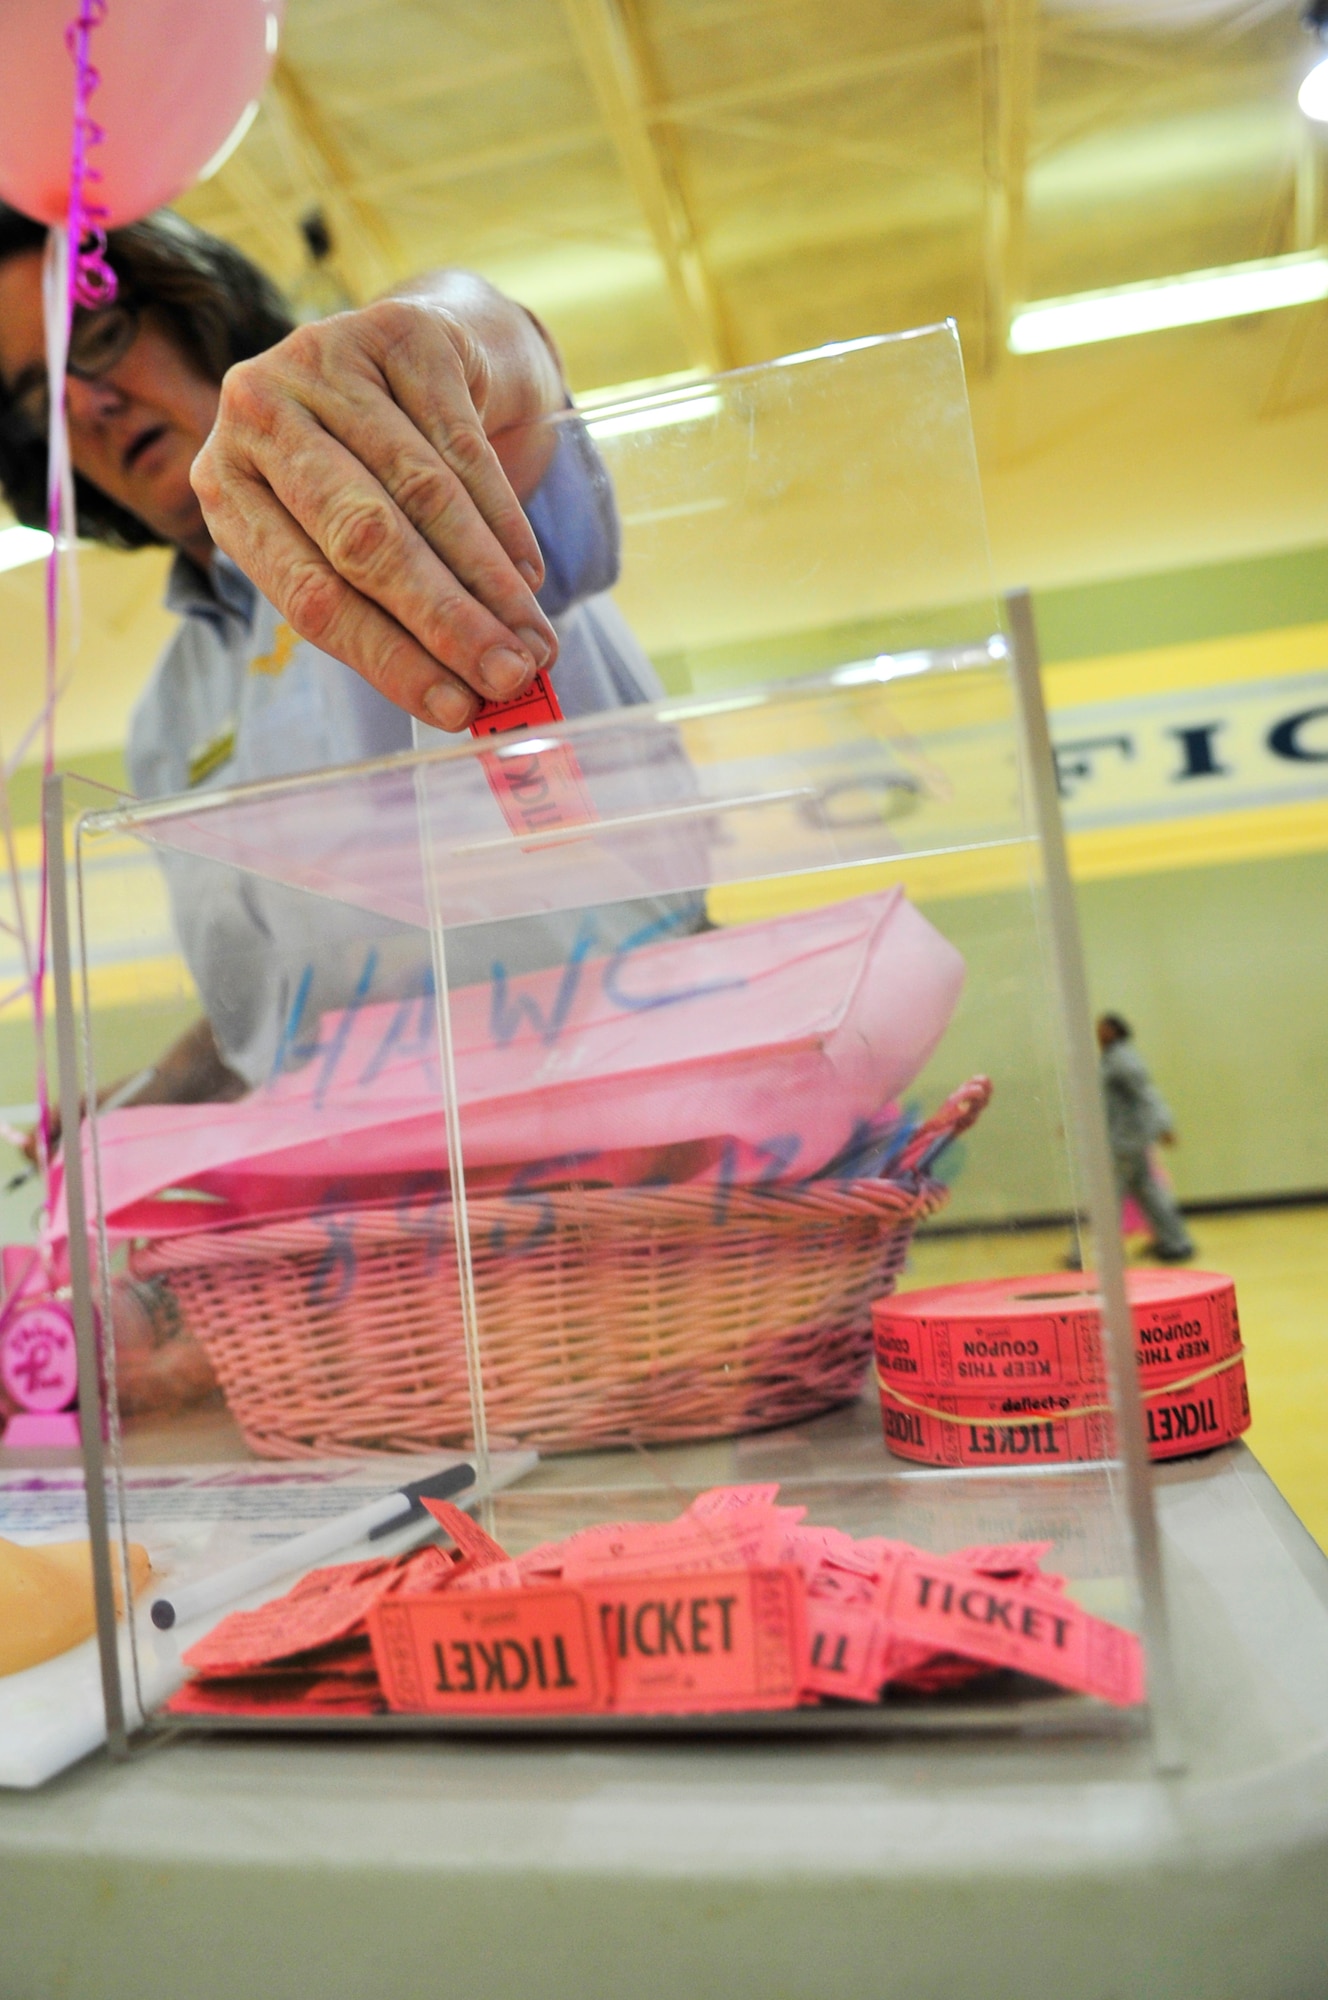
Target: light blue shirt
237 696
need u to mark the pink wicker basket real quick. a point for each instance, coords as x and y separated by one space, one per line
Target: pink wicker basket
608 1315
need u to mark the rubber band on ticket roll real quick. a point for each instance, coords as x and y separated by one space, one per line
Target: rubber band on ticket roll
1007 1333
1194 1413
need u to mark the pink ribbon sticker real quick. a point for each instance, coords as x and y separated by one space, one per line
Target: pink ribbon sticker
39 1356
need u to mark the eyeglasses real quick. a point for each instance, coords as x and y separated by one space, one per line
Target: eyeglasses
97 340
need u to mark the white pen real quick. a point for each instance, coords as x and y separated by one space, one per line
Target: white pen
302 1551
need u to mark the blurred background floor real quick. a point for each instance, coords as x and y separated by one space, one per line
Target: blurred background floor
1279 1260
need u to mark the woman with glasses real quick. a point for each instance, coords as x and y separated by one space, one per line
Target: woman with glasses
347 467
370 523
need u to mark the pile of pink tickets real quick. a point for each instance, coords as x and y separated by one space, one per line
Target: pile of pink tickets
737 1605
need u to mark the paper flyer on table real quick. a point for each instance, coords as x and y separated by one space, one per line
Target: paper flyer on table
193 1521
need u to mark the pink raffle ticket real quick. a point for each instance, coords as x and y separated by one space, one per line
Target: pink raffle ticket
545 788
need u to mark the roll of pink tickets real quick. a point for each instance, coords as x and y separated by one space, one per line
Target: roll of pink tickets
745 1055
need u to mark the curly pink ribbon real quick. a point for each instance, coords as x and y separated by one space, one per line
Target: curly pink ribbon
92 281
77 274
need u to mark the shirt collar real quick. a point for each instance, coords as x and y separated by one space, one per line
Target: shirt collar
227 591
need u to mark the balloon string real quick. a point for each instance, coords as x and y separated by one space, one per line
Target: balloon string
75 273
58 310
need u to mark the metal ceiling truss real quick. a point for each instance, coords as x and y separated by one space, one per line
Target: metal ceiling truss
618 62
1009 80
365 255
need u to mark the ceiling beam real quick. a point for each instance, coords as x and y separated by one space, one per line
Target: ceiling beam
1307 200
533 149
809 78
1009 67
417 85
1306 230
617 62
365 258
711 109
780 138
1136 77
270 226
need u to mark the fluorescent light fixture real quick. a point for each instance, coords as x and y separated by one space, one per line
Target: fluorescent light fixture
23 545
1312 96
683 408
1189 300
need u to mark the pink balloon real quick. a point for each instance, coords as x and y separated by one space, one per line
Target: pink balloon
178 77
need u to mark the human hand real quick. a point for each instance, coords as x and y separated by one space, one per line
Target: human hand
32 1140
192 1071
351 476
159 1363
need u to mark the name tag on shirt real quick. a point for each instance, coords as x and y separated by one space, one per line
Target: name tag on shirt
209 757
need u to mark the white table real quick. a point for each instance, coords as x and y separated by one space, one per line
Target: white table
936 1870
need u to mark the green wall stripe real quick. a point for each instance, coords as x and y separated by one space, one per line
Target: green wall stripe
1214 601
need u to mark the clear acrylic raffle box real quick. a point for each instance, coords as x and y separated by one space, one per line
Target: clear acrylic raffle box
595 1080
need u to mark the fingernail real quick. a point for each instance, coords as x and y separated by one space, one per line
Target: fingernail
447 706
535 643
530 573
504 672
